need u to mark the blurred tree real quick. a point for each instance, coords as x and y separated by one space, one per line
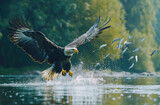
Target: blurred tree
63 21
141 16
1 35
113 9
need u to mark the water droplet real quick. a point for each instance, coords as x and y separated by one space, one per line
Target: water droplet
35 98
129 96
154 99
16 94
15 103
148 95
113 98
145 104
121 94
10 96
22 99
31 102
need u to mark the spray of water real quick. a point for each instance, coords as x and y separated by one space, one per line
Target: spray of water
80 78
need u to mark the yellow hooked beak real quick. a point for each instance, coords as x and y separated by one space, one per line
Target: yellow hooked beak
76 51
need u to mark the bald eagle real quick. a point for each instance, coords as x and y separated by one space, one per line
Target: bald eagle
41 49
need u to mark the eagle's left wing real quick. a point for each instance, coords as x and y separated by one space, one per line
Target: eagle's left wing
91 34
34 43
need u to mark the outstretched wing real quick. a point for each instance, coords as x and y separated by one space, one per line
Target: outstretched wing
91 34
34 43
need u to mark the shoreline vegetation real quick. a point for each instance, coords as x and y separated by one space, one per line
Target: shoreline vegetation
20 71
37 71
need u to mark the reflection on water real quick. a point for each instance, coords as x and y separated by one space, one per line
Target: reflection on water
87 89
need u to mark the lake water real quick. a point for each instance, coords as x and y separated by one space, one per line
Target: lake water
84 88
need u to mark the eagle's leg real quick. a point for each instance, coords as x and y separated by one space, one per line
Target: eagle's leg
70 73
63 72
67 67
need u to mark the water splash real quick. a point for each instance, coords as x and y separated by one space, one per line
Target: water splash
79 78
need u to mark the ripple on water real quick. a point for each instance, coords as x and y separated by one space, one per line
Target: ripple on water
87 79
82 87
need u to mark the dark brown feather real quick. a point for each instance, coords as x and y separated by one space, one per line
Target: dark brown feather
21 20
34 43
19 24
15 24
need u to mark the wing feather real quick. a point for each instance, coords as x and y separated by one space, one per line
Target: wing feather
34 43
91 34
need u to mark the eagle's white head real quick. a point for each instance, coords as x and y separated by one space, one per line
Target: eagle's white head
69 51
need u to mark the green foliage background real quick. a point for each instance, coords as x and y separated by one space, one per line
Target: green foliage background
64 20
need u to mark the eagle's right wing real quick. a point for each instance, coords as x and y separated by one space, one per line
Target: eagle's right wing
34 43
91 34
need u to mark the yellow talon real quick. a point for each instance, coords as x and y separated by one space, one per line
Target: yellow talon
44 78
70 73
63 72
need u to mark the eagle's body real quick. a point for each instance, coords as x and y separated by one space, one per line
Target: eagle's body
41 49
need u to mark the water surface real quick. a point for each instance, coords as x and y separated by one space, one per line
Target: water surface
85 88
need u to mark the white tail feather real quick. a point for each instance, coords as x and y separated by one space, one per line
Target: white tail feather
48 74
